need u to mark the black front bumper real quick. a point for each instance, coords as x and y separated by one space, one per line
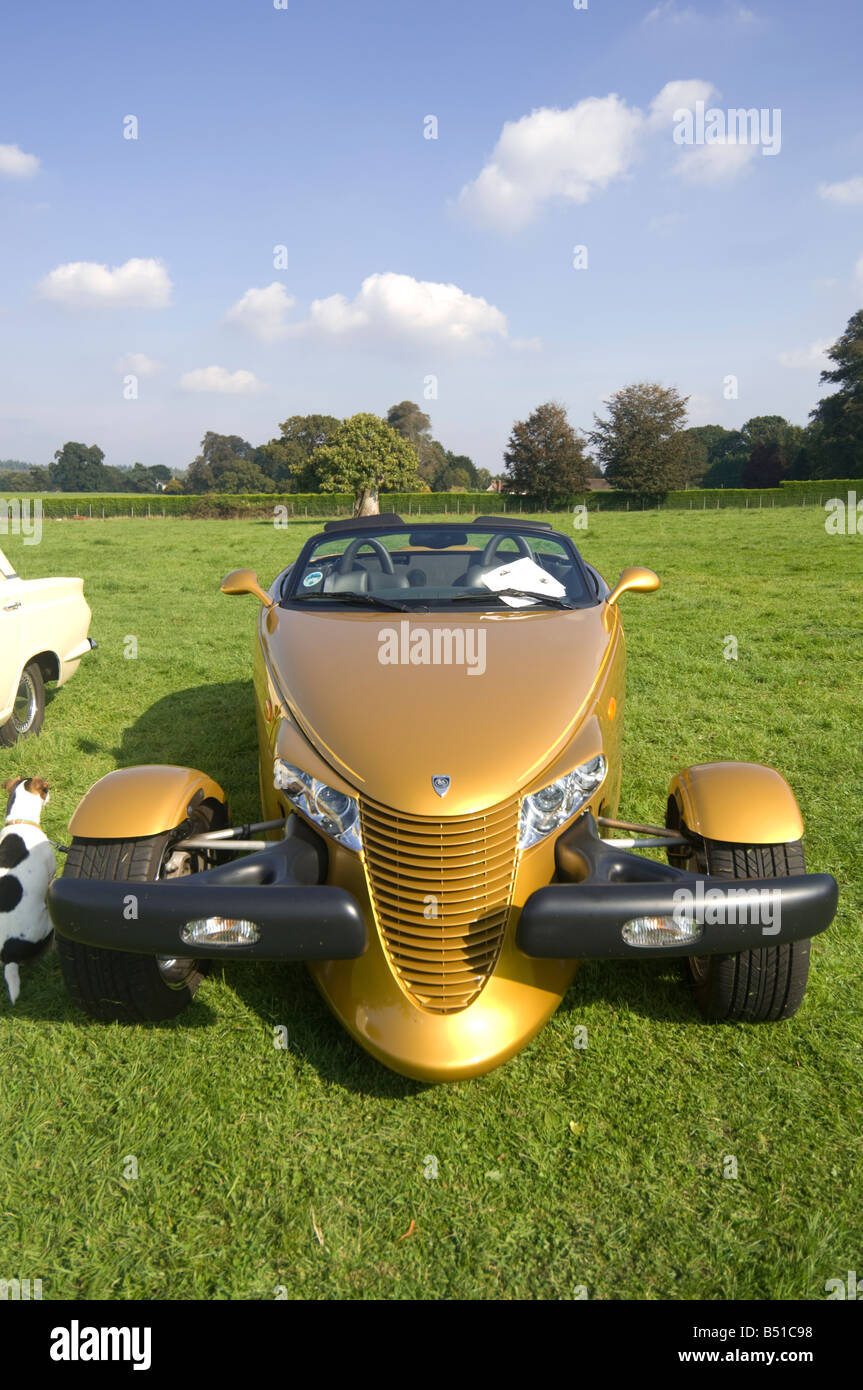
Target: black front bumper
603 888
279 889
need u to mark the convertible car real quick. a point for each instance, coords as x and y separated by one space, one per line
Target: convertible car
439 712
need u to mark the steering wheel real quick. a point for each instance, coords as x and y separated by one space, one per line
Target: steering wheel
497 540
346 563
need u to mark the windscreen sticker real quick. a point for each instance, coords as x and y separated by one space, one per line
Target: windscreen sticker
312 579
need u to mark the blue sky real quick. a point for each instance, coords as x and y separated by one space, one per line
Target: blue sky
410 258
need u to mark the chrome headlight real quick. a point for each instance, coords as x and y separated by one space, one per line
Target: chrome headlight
337 814
546 810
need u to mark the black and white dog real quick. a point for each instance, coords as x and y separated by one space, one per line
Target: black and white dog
27 866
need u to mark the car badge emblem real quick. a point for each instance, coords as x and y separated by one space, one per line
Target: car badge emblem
441 783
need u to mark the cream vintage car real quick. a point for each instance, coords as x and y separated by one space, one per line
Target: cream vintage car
43 635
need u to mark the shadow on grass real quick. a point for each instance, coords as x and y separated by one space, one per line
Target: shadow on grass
43 998
652 989
208 727
284 994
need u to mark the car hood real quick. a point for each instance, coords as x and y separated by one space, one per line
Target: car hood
382 704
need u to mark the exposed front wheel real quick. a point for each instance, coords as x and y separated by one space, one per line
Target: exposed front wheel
755 986
125 986
28 711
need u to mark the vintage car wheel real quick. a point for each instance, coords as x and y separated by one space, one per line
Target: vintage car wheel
29 708
125 986
756 986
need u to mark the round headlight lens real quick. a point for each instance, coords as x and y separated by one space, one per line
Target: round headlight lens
550 807
334 812
549 801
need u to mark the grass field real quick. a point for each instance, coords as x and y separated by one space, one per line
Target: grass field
600 1167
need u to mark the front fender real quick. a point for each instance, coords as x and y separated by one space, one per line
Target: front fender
138 801
745 803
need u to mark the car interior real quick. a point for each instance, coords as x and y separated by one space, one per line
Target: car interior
431 562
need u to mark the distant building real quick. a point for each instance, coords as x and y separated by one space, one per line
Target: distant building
598 485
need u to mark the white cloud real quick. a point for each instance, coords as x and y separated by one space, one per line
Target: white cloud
221 382
138 363
719 163
813 356
15 164
137 284
677 95
553 154
851 191
668 10
398 306
570 155
263 312
671 13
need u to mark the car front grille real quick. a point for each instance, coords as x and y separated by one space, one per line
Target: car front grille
441 891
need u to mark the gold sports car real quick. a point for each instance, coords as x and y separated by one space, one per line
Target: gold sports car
439 712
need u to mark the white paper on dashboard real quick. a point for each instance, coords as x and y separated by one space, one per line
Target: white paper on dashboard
524 574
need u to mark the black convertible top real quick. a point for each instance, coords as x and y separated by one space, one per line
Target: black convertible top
354 523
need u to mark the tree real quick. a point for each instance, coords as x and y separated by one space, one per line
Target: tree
704 447
727 456
287 460
545 457
839 417
242 475
78 468
410 422
226 464
766 467
25 480
364 456
642 445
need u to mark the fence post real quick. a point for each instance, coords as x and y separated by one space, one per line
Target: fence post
148 509
91 510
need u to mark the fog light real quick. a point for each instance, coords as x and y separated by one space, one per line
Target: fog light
661 931
220 931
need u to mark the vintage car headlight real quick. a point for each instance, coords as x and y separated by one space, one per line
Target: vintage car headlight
337 814
546 810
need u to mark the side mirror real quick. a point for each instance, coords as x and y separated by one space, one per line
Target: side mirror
636 578
245 582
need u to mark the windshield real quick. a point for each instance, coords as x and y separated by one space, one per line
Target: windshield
438 564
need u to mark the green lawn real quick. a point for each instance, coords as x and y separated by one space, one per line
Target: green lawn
600 1167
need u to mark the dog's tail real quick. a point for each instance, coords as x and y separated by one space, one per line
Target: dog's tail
12 976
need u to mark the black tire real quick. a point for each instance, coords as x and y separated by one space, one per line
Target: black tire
29 712
124 986
757 986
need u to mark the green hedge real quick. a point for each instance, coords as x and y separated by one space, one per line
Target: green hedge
318 506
